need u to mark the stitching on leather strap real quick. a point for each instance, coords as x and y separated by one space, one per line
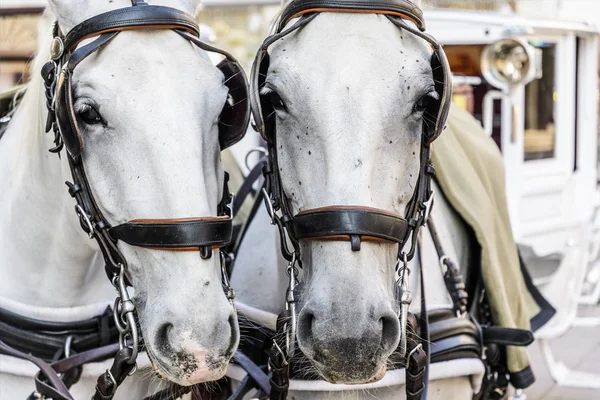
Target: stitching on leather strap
130 28
178 221
362 209
346 238
352 10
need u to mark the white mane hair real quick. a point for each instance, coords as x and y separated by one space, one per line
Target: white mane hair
33 103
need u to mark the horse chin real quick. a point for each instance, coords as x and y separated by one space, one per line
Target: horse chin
351 375
187 370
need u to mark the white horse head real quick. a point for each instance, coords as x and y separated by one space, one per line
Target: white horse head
350 93
148 105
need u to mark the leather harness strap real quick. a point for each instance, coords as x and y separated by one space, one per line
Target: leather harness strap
175 234
400 8
348 223
128 18
51 340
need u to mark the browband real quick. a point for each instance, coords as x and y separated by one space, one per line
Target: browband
139 17
354 223
175 234
405 9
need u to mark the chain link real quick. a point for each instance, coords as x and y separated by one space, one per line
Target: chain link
123 313
405 298
229 292
290 305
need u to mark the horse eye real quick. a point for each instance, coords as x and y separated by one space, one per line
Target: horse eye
89 115
424 102
276 101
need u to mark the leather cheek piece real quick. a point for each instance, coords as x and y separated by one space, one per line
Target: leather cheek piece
342 222
235 116
65 116
173 234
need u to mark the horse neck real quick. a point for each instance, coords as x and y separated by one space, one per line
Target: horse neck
45 259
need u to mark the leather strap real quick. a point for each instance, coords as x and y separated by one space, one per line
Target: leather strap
416 367
400 8
260 379
506 336
56 389
345 222
128 18
48 340
179 234
247 186
424 328
108 382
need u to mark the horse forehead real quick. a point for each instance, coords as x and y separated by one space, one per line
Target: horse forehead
374 50
160 63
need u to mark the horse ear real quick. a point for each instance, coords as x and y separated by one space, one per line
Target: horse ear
69 13
192 7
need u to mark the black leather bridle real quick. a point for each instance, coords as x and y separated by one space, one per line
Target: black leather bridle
349 222
203 234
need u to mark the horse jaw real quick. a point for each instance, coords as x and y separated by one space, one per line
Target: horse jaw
351 138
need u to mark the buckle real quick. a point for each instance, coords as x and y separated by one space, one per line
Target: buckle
113 382
413 351
86 223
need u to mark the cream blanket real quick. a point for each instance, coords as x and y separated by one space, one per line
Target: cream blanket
470 171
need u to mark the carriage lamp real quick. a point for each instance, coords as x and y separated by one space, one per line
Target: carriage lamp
508 62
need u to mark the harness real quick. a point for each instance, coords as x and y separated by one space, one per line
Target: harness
45 343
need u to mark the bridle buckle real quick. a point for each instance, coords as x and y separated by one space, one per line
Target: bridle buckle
86 223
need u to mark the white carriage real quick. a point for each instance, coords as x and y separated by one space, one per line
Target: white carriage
533 84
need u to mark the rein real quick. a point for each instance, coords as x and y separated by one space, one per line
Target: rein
202 234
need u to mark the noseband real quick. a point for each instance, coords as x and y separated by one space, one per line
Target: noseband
203 234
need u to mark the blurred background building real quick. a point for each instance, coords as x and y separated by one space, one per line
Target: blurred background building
241 25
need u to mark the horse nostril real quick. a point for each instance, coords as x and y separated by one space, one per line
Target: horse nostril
162 341
233 334
306 319
390 332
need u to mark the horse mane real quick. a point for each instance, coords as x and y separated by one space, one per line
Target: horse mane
31 111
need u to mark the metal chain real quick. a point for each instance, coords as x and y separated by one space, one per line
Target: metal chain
403 272
290 305
229 292
292 272
123 313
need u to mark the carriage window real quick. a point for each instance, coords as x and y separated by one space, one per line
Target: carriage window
540 103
